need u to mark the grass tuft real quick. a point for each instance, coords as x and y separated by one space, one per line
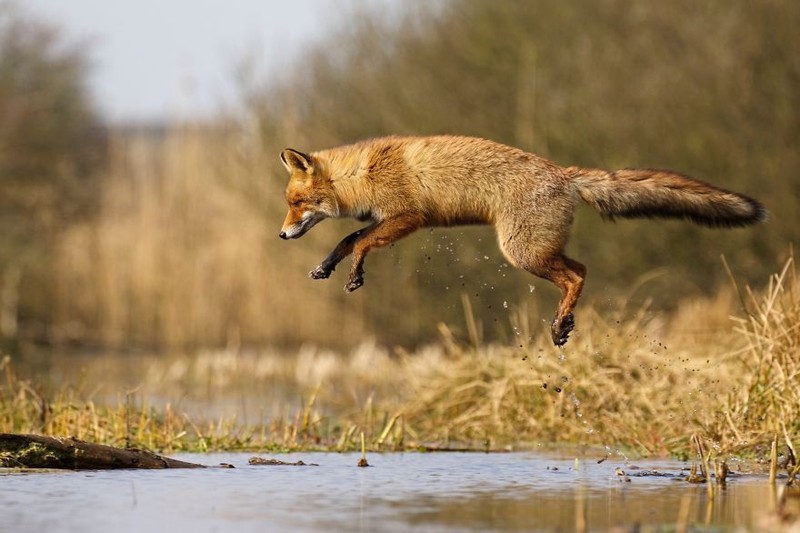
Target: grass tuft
765 399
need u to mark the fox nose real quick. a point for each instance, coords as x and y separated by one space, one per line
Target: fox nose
283 235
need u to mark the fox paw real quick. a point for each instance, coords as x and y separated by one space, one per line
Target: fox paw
561 330
320 273
354 284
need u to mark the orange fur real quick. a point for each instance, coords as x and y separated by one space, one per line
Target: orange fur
401 184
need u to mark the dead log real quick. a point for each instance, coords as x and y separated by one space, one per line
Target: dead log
39 451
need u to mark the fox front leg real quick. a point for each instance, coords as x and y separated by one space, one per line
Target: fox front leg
385 232
342 250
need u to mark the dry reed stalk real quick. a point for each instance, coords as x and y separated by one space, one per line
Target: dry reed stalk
769 397
773 461
362 462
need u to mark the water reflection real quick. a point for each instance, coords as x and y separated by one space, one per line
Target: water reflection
434 492
616 507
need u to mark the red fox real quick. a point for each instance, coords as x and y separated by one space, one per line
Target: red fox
401 184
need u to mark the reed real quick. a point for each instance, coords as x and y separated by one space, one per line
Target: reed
631 381
765 398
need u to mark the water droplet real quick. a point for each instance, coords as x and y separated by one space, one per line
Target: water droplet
505 304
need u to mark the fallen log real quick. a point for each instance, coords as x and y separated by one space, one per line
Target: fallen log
39 451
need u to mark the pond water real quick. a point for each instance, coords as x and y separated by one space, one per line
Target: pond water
400 491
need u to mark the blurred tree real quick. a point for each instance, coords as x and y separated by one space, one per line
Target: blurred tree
49 143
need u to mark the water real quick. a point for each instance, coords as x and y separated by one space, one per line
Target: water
400 491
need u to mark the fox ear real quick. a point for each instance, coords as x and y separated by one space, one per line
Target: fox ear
294 160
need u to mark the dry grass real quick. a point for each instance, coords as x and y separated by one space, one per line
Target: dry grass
765 400
628 381
132 421
175 257
631 382
618 386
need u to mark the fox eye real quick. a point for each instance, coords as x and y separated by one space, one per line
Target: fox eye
296 203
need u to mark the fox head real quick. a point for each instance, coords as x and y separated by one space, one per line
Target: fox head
309 194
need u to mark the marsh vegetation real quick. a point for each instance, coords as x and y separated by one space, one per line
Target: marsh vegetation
146 299
632 381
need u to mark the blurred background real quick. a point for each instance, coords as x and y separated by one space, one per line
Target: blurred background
141 194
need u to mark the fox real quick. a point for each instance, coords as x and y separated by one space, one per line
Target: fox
399 184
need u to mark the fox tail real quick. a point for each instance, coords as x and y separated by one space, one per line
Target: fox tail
634 193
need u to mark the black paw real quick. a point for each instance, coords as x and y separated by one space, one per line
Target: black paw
320 273
561 331
354 284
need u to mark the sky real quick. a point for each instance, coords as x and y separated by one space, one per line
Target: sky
157 60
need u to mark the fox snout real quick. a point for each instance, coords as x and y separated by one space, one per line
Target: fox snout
292 231
294 228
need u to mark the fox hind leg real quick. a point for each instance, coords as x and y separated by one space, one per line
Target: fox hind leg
568 275
565 273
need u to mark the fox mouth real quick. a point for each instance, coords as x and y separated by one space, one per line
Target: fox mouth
296 231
